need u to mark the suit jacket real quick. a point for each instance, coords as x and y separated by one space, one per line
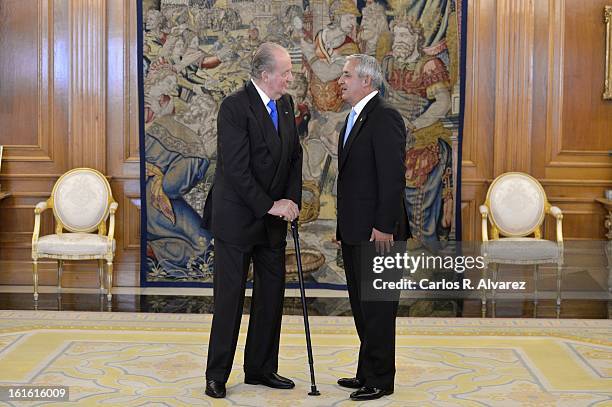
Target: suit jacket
371 175
256 165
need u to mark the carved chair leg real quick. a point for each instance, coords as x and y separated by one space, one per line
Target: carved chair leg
483 294
35 278
559 275
60 271
493 303
536 267
109 276
101 274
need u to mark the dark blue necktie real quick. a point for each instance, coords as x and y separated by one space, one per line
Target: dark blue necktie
273 113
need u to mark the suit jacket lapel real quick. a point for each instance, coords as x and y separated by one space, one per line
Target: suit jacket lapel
265 122
285 127
341 146
343 151
341 137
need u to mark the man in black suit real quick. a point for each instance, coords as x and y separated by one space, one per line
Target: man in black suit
370 209
257 189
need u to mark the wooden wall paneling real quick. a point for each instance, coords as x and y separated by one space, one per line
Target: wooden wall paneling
127 256
583 223
131 228
470 109
579 121
87 136
570 188
583 217
17 224
473 194
479 121
33 117
514 85
23 41
582 74
123 135
133 156
70 101
572 179
554 83
35 153
122 103
541 76
468 227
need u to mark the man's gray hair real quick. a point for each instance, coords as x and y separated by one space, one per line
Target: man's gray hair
368 66
263 59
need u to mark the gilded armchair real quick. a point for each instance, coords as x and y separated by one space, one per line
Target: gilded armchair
82 202
515 209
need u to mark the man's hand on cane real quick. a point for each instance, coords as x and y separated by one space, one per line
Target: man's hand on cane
286 209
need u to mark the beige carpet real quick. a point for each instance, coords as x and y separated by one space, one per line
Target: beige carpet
128 359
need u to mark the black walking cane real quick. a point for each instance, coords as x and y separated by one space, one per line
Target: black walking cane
298 256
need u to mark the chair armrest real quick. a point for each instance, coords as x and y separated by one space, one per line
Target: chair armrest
556 212
40 208
111 227
558 215
484 213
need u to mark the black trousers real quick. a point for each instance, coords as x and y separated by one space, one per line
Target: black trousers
231 268
375 323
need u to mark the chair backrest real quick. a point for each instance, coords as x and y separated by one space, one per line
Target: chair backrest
517 204
81 199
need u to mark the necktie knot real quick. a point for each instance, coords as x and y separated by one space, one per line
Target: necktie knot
272 105
273 113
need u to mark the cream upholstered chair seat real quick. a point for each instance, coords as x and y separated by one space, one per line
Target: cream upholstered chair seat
82 203
519 250
515 208
74 244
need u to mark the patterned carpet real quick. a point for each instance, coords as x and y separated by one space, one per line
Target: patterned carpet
122 359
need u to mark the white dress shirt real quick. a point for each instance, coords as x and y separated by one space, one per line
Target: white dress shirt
264 98
361 104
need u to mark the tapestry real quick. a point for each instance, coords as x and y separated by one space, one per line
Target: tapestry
193 53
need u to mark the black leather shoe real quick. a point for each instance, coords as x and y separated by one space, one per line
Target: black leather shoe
369 393
215 389
273 380
350 382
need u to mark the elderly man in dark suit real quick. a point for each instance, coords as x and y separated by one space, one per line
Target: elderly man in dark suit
370 209
256 191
